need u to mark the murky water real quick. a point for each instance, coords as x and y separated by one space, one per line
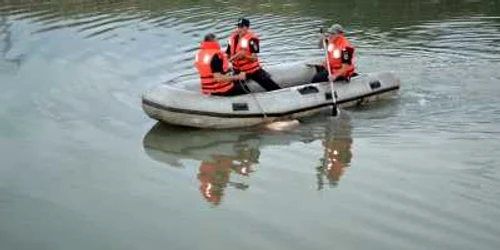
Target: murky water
84 168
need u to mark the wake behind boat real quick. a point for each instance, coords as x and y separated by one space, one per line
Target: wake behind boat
184 104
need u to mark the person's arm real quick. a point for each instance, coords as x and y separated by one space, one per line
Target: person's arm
229 78
254 49
217 70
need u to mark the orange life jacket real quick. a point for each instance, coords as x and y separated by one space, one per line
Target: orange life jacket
202 62
335 49
243 65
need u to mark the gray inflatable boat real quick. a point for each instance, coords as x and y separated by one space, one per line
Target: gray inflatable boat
184 104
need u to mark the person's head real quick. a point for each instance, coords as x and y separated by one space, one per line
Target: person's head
243 25
210 37
335 31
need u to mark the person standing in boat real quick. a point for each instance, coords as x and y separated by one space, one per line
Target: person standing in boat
242 49
213 66
340 56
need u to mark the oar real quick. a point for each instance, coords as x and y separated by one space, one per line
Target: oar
335 110
249 92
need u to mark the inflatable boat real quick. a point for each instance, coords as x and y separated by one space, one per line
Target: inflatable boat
184 104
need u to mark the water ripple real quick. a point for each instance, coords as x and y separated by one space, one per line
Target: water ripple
419 170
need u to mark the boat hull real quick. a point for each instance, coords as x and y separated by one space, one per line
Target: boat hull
188 107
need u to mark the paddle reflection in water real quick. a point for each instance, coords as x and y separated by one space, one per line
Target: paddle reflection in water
223 153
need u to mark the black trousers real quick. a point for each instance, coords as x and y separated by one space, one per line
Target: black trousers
263 79
322 75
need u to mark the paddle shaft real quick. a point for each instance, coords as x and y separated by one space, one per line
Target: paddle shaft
334 94
258 104
255 99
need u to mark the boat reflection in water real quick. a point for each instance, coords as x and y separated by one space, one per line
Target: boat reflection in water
223 153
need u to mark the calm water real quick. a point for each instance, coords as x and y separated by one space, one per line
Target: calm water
82 167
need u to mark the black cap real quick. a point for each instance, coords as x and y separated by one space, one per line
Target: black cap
243 22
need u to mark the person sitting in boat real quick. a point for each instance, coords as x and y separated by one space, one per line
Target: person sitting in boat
213 66
242 49
340 56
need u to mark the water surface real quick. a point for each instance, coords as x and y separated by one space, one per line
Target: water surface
84 168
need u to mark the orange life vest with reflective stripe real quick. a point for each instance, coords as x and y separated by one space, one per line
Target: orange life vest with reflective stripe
243 65
335 49
202 62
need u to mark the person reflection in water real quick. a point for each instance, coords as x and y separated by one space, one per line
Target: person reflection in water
214 174
337 156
